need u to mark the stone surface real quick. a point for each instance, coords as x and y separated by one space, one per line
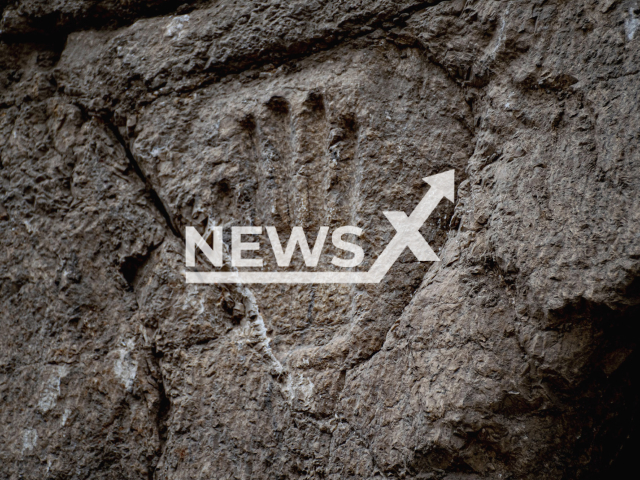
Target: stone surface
122 123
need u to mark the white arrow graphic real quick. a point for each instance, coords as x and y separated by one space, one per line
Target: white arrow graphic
407 235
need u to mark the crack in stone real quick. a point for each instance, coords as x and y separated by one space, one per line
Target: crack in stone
155 198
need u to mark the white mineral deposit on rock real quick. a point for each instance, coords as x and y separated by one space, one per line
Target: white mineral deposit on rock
126 366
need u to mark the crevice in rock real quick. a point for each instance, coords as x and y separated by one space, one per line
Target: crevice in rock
156 200
57 25
161 413
54 40
350 30
153 194
624 460
131 266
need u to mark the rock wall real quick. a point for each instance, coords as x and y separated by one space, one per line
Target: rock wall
122 123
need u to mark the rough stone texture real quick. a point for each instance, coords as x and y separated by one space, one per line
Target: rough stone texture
513 357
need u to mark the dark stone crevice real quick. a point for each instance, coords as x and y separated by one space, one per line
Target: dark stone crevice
132 265
93 15
279 54
161 412
151 191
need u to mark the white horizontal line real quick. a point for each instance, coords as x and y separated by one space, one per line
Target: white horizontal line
280 277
